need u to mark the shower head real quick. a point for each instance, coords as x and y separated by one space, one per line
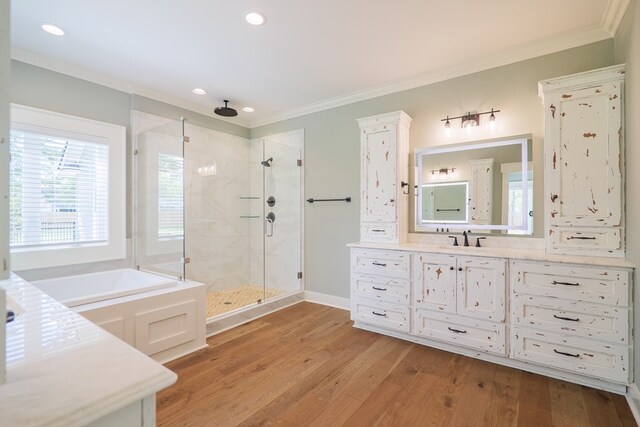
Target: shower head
225 111
267 162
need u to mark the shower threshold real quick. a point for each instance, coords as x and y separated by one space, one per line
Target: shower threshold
238 316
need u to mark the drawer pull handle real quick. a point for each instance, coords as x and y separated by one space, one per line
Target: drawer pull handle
566 318
565 354
379 289
581 238
457 331
377 230
565 283
380 314
380 264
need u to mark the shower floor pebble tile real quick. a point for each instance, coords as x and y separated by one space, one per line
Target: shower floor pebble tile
219 302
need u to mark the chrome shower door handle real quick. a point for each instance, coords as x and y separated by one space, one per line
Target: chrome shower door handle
268 222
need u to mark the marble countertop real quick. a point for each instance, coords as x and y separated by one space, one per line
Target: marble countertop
497 252
63 370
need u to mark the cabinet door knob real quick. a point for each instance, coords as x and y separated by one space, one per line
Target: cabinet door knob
459 268
392 200
451 268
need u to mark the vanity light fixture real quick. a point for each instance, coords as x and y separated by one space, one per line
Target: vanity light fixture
255 18
470 120
443 171
53 29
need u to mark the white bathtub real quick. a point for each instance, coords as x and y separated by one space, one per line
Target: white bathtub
87 288
162 317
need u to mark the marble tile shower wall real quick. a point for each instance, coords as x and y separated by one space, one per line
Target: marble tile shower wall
217 214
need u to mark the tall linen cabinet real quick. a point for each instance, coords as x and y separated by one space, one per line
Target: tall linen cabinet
584 163
384 154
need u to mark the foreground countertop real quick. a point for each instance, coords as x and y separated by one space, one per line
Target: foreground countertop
498 252
63 370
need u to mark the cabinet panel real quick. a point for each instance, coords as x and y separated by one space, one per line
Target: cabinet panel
378 231
381 262
600 239
434 282
589 284
572 318
585 165
477 334
386 315
481 191
380 288
597 359
166 327
379 153
481 288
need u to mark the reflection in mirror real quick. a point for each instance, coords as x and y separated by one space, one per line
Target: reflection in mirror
484 186
445 202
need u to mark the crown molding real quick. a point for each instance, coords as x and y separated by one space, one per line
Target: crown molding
610 23
613 15
120 85
505 57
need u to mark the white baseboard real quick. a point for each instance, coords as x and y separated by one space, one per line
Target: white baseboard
330 300
633 399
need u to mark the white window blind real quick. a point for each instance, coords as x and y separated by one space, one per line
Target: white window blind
170 196
58 189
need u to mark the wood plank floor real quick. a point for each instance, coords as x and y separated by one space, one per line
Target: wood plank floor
307 366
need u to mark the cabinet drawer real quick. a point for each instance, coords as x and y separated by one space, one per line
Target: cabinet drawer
380 288
378 232
386 315
590 284
585 238
586 357
380 262
572 318
477 334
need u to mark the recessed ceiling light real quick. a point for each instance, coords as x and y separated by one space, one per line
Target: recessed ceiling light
255 18
248 110
53 29
199 91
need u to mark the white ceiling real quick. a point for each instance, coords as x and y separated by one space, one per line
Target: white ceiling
309 55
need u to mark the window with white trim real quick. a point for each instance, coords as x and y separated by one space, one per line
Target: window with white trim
66 179
170 196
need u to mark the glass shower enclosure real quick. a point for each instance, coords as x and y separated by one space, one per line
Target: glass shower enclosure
219 209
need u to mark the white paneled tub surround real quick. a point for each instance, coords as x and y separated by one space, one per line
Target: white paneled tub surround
163 318
62 370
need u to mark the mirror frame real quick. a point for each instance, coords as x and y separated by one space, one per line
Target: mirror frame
522 140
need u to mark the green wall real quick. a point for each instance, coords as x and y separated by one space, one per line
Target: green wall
332 144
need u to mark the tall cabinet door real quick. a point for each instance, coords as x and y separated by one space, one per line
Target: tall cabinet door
481 288
585 169
384 145
434 282
379 174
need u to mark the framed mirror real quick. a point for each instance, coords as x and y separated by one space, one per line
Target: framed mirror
482 186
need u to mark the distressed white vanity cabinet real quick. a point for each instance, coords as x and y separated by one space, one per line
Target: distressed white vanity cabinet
460 299
584 163
384 165
572 317
561 318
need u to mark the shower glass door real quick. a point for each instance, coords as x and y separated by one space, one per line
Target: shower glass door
282 218
159 200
